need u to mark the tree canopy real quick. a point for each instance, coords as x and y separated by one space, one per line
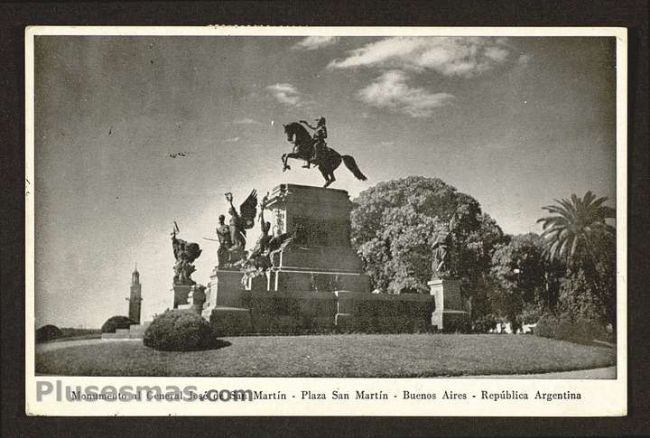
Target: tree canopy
577 229
395 225
523 278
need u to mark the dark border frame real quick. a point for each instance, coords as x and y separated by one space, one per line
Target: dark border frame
632 14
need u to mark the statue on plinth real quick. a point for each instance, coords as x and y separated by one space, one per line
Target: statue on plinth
441 265
313 149
185 253
224 255
262 245
241 221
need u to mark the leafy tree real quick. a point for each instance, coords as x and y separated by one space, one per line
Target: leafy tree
578 234
577 230
396 223
522 278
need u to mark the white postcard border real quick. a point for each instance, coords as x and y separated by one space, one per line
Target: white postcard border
598 397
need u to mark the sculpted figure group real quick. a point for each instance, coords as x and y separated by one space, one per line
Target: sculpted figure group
232 239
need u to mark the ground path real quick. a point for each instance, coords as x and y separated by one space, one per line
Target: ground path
593 373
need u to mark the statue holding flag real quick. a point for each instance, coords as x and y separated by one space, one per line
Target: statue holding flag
185 253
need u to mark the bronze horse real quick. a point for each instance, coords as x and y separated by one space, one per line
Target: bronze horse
329 161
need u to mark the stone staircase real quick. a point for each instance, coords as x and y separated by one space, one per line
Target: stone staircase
135 331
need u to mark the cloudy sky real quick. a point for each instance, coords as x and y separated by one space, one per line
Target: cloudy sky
514 122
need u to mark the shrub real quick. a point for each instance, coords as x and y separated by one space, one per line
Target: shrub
457 323
179 330
484 324
578 330
47 333
116 322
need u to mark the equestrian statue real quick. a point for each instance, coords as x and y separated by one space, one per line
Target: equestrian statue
314 150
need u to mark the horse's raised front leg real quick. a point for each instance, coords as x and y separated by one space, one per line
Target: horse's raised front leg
285 166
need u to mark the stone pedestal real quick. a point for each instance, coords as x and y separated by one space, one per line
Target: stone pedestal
449 302
181 294
224 289
320 258
383 312
198 299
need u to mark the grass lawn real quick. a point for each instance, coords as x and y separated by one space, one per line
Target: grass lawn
75 338
404 355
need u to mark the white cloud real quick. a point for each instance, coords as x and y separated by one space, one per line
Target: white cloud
287 94
247 121
232 140
391 91
316 42
449 56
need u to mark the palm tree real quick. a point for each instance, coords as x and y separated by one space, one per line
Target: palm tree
577 231
577 235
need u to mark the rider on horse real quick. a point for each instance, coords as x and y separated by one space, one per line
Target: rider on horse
320 134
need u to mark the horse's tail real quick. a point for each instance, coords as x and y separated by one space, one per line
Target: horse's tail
352 167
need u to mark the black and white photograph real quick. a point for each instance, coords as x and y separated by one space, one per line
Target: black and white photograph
389 221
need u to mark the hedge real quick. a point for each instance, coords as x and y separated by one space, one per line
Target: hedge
116 322
578 330
47 333
179 330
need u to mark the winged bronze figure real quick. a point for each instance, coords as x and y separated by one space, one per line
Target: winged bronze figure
242 220
260 259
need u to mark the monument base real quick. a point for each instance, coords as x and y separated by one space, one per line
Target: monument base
181 294
316 281
224 289
450 313
306 291
323 312
227 321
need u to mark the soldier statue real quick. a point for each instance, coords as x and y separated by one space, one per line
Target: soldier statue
225 243
185 253
320 134
441 265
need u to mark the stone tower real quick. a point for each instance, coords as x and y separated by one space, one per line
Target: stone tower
136 297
